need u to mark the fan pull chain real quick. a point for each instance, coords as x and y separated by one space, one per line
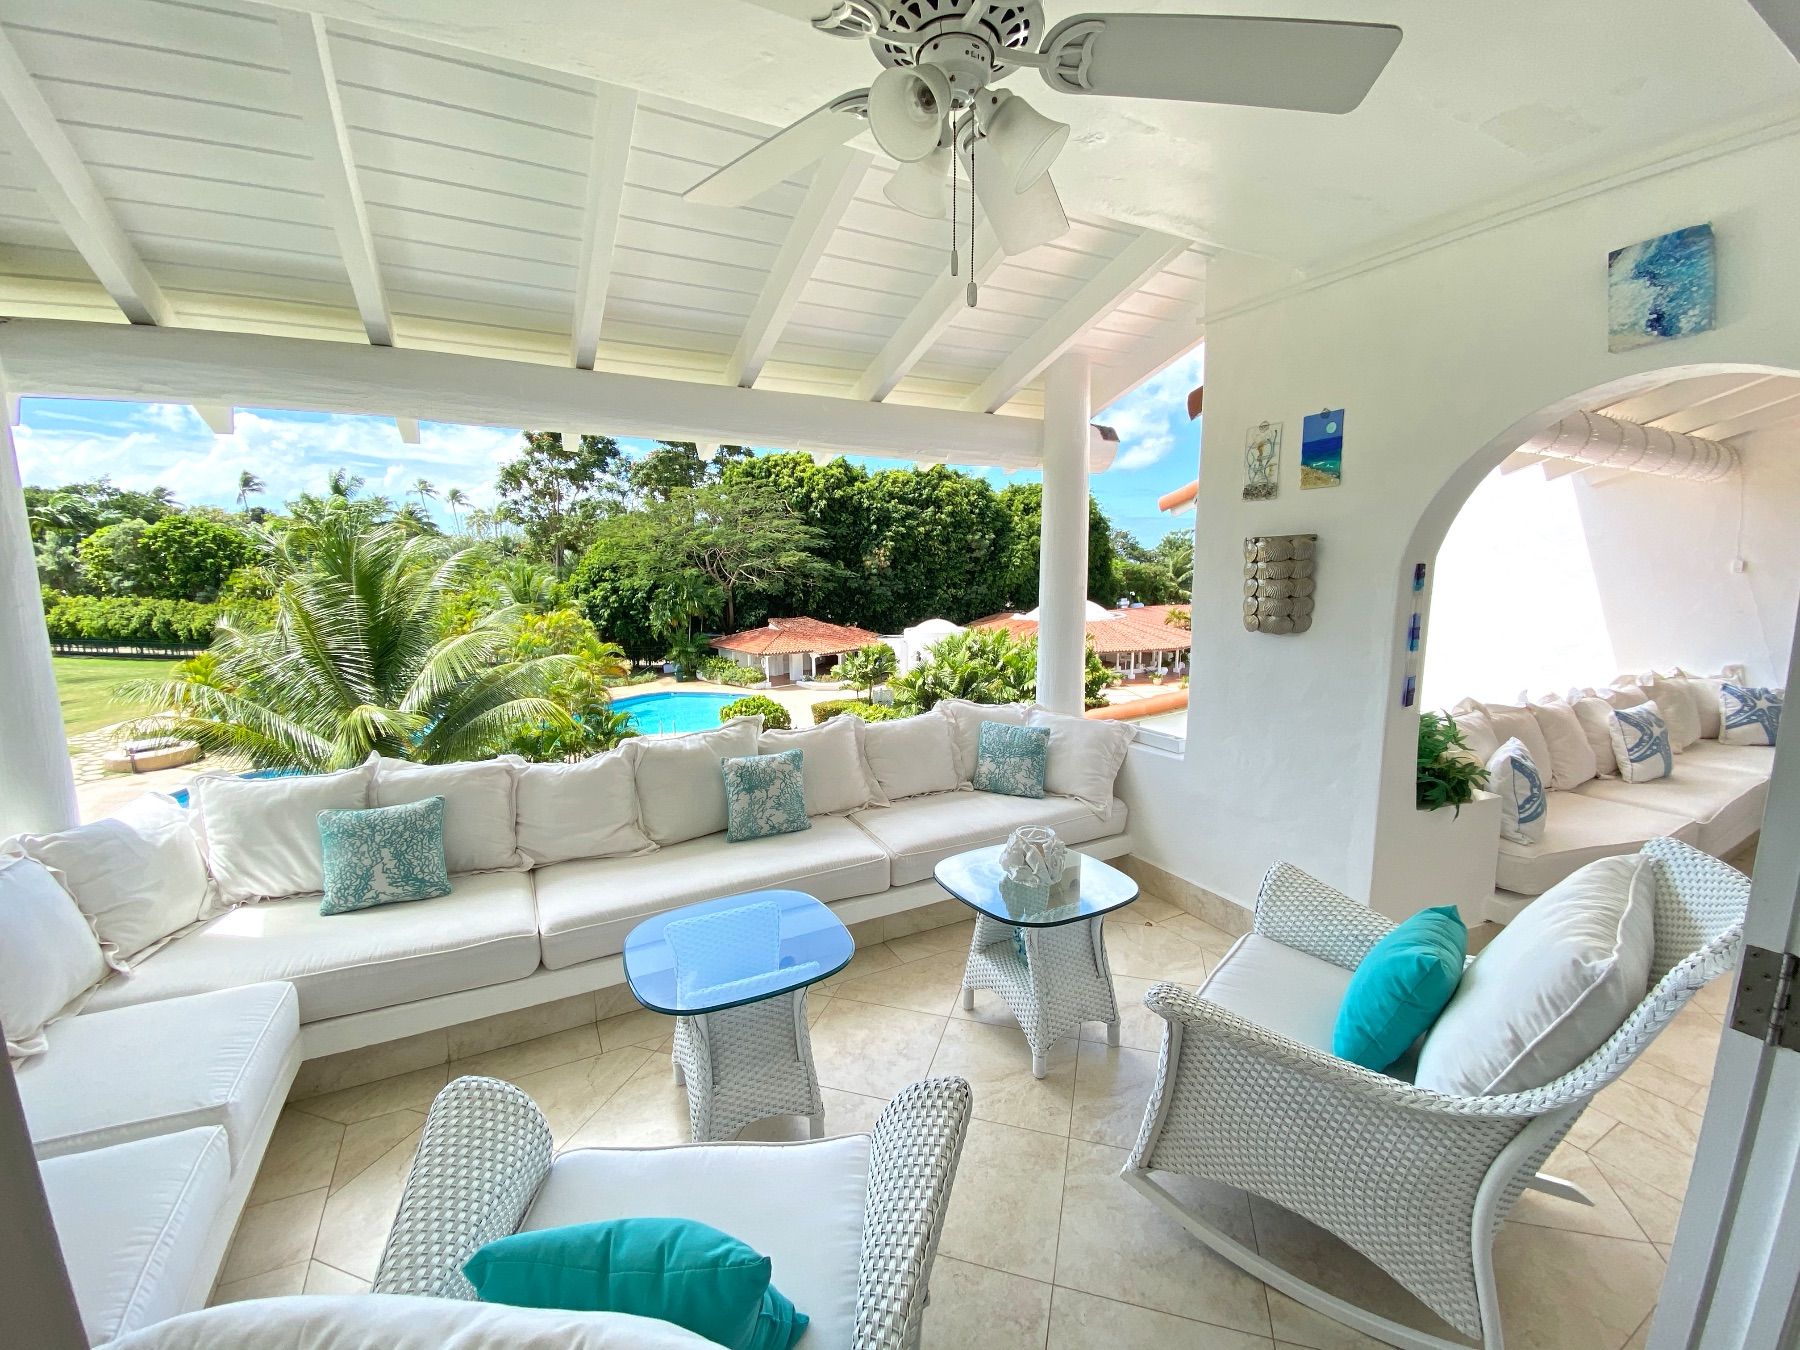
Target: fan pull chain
971 222
954 271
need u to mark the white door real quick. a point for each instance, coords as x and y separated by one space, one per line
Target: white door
1735 1269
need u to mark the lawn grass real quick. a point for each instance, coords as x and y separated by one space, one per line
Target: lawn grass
85 684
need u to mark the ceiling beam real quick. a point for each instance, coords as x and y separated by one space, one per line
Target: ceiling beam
321 109
832 189
408 427
1142 259
1149 356
65 186
615 112
1518 459
220 418
936 310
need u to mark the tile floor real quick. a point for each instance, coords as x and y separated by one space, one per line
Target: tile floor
1044 1248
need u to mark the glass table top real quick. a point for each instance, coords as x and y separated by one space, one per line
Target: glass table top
723 953
1088 887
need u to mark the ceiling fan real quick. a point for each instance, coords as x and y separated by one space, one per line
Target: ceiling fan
935 110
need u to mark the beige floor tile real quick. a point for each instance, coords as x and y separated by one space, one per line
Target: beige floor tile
647 1109
1674 1125
1113 1242
1151 951
1642 1339
1628 1149
1656 1213
1139 1028
1297 1325
1608 1216
1112 1085
1698 1098
641 1028
997 1063
845 1113
272 1235
1573 1291
354 1227
546 1052
1686 1047
301 1155
1715 998
570 1094
408 1091
366 1141
931 984
1215 942
525 1024
324 1279
1146 908
277 1283
974 1306
1590 1128
867 961
871 1049
1003 1208
952 937
1659 1082
354 1068
924 918
1081 1321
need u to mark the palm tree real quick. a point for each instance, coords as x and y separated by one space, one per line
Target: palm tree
359 658
456 499
343 483
426 491
249 485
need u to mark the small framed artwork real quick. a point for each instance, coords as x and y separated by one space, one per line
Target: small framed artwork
1660 289
1262 462
1322 449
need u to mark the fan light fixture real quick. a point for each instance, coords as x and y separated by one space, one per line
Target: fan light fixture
922 187
1024 141
907 108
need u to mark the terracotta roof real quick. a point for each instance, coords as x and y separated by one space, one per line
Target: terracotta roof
1180 499
1128 630
797 637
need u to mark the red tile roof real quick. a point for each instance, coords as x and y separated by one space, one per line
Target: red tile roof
797 637
1129 630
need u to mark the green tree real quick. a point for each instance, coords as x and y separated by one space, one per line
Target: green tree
426 491
674 465
1149 583
456 499
616 593
191 556
868 666
835 500
774 716
937 549
249 485
1024 505
113 560
558 493
985 665
1126 548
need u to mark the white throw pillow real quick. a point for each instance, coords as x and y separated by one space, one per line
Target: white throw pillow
835 771
1515 779
1515 720
480 807
1552 988
588 809
1085 756
1704 691
965 720
1595 716
49 957
680 786
912 755
262 834
1572 757
138 875
1477 730
1676 705
1749 716
1640 740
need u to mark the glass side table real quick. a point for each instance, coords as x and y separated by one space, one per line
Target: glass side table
1040 946
733 973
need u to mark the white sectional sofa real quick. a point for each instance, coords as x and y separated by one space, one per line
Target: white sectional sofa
151 1104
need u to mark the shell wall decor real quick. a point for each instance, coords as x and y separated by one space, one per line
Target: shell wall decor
1278 582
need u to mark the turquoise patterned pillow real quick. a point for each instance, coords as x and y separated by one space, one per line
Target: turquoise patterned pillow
1011 760
765 795
383 856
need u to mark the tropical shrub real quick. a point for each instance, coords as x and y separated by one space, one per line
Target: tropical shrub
1449 773
868 666
774 716
191 556
723 670
127 622
985 665
856 707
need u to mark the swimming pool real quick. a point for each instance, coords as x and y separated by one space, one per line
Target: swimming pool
673 710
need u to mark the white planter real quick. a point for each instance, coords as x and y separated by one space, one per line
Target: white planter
1448 857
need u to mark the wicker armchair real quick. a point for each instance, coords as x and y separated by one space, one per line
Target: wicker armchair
1416 1181
486 1150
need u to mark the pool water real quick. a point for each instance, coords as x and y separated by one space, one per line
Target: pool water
673 710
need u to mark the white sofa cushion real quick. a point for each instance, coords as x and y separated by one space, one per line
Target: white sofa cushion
404 1322
134 1221
49 956
1580 827
1517 720
1749 715
965 719
1724 799
1516 781
1085 756
755 1192
1550 990
480 832
911 756
585 909
137 875
1595 716
837 773
224 1058
1676 704
920 833
1704 691
262 834
1572 757
1290 992
680 787
484 932
1640 739
1477 729
588 809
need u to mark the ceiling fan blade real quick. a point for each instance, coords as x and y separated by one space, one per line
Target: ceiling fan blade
785 153
1308 65
1021 220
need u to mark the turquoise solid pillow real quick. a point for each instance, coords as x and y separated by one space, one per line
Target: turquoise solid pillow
1400 988
677 1270
383 856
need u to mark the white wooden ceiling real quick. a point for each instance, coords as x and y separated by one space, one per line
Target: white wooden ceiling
229 166
1716 407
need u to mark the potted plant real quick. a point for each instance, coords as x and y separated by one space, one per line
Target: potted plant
1449 773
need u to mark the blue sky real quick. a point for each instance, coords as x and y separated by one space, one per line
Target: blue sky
141 445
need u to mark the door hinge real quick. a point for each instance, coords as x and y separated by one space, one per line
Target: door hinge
1764 1004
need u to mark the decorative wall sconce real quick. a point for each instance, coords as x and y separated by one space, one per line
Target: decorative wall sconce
1278 582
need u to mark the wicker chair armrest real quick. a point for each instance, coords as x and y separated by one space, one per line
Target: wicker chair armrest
1302 912
912 1163
485 1150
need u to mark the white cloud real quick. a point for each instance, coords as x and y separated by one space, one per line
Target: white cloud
1152 419
1142 452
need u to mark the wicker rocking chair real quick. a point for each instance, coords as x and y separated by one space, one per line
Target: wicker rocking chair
1238 1103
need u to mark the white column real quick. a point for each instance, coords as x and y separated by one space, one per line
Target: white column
37 787
1063 544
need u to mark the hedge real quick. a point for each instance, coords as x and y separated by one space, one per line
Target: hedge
856 707
774 716
129 622
723 670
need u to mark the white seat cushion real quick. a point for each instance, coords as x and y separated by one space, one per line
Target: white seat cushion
133 1221
484 932
965 719
50 960
480 834
1085 756
224 1058
1581 827
1755 760
588 809
1290 992
911 756
680 787
836 772
262 834
921 832
586 908
757 1193
1725 800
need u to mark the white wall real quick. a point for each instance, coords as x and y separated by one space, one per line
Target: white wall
1445 358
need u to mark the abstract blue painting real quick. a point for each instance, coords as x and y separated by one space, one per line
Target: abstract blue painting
1660 289
1322 449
